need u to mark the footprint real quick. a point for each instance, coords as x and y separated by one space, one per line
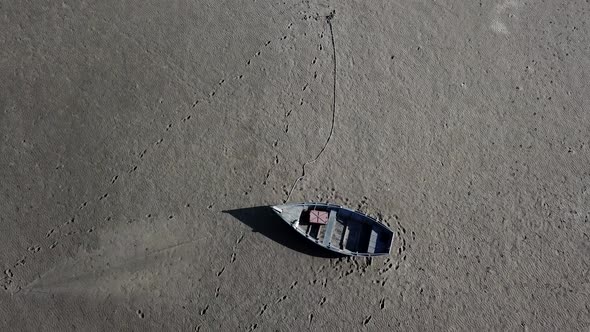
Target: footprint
20 262
34 249
169 126
240 238
71 221
221 271
266 178
204 311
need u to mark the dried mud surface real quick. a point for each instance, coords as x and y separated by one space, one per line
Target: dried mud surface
137 136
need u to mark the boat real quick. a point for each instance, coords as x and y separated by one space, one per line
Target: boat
337 228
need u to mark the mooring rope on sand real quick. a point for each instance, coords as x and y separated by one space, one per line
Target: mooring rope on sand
329 19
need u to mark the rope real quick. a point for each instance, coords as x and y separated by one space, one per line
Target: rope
329 19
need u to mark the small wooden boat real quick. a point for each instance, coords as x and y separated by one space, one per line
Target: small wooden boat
337 228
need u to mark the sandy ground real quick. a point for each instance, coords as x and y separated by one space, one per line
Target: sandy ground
130 131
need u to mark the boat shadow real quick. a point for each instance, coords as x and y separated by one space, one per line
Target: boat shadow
261 219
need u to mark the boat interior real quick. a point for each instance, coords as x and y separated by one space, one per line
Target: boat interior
345 230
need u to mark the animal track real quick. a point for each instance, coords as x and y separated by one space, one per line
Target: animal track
70 221
286 129
329 20
387 268
240 238
140 314
146 151
34 249
266 178
204 310
221 271
262 310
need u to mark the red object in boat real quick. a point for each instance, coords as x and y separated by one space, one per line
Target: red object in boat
318 217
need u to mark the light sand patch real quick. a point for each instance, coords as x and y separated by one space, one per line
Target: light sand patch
134 259
506 9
